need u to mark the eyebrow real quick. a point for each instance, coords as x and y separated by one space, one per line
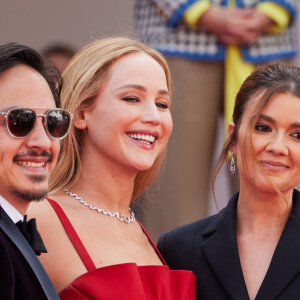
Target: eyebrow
271 120
140 88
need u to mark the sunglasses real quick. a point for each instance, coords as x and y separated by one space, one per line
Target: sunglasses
20 122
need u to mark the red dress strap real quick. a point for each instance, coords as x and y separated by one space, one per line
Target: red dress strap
73 236
153 245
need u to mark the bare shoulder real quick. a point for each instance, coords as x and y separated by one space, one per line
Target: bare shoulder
60 251
46 218
48 223
41 211
37 209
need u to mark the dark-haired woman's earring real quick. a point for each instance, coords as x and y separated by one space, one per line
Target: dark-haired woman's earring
232 164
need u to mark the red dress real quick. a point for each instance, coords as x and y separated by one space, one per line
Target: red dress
127 280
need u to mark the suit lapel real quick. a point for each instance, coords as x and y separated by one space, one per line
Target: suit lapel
285 263
221 252
13 233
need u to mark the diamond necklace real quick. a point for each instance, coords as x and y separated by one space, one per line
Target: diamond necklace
121 217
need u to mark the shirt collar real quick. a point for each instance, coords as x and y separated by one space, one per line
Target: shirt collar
11 211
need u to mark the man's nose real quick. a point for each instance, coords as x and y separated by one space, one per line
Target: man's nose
39 137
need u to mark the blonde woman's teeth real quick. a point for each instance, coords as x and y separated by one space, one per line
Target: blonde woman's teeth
144 138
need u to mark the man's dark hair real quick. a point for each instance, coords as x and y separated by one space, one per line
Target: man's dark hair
14 54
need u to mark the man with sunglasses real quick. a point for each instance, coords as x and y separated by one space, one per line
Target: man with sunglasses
31 126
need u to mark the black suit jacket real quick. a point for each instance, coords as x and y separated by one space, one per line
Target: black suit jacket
21 274
208 247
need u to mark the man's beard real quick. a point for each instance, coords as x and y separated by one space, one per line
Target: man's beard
32 196
29 196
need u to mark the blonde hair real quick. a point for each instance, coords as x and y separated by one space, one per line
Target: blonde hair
83 79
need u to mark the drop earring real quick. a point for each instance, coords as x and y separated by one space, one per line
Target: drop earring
232 164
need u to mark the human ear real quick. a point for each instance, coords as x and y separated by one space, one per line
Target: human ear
230 132
79 119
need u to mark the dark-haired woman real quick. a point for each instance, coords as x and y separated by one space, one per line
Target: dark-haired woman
251 249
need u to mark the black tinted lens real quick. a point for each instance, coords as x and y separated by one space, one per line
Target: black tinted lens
58 123
21 122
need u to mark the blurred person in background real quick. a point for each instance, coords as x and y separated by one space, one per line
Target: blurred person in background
59 54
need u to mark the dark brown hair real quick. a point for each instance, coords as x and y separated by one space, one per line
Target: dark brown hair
13 54
261 85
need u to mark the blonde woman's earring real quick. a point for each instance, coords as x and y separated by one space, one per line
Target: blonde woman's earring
232 164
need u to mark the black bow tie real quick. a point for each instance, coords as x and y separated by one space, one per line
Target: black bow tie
32 235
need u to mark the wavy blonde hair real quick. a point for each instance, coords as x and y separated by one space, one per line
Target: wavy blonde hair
83 79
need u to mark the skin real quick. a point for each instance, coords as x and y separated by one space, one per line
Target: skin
135 100
128 105
235 26
262 213
22 86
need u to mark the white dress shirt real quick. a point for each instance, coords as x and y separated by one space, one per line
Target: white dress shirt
11 211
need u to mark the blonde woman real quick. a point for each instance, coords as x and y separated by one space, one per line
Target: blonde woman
119 92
